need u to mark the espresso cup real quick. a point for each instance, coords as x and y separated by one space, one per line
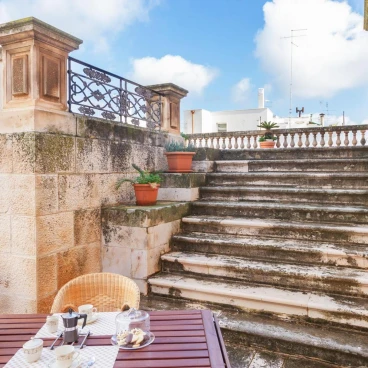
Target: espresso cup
65 356
32 350
52 323
87 309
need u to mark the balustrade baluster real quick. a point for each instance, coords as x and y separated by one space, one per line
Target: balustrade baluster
354 142
362 141
292 143
248 142
217 142
236 146
307 143
223 143
230 146
285 140
205 142
330 141
346 140
278 144
211 142
338 140
255 138
300 142
322 141
314 143
242 142
200 143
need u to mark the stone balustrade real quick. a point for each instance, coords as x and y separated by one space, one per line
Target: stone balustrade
333 136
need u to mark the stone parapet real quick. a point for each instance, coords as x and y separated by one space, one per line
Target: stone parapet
135 237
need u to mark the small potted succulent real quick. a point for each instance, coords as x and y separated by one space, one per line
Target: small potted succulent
179 157
267 140
146 186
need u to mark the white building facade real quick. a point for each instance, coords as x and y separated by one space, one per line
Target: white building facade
204 121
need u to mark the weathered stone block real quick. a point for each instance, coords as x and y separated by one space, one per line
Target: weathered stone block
121 156
54 153
5 231
109 195
54 232
87 226
12 276
78 192
44 304
178 194
117 260
78 261
6 153
160 235
46 275
24 153
182 180
46 194
23 194
5 193
16 304
23 235
93 155
138 216
124 236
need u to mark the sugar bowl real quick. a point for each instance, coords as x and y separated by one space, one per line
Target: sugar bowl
33 349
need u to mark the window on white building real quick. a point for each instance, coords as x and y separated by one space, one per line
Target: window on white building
221 127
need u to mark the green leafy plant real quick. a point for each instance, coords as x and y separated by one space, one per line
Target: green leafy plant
267 125
144 177
179 147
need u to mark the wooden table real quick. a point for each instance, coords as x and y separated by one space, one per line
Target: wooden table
187 338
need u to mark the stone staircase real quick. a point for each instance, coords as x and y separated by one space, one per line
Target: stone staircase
280 235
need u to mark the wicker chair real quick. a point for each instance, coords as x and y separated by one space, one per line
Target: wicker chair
108 292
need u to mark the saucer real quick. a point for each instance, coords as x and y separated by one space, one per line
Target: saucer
76 364
94 318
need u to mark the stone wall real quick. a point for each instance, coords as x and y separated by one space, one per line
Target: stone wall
53 183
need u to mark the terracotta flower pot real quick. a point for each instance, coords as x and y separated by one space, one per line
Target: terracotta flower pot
267 144
180 161
145 194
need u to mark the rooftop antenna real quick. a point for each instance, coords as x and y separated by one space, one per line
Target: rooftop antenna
299 111
292 36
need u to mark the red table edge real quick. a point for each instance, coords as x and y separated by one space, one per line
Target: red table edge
221 340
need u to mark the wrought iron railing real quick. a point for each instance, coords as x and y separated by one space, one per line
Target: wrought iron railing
333 136
98 93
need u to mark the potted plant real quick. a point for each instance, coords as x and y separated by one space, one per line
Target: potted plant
146 186
267 140
179 157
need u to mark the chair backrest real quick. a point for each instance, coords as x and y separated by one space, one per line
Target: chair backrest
108 292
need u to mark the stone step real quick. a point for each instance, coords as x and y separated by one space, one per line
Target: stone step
302 345
282 194
331 279
291 179
316 212
232 166
312 165
294 153
350 233
271 249
250 297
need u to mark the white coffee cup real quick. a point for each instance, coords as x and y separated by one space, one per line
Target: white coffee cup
52 323
65 356
32 350
87 309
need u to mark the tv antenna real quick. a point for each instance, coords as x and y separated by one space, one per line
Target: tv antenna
299 111
292 43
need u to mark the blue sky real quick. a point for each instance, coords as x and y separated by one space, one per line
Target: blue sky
222 51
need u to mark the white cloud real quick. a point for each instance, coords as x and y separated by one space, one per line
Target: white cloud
331 58
173 69
91 20
241 90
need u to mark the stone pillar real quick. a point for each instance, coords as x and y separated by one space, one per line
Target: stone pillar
170 108
33 96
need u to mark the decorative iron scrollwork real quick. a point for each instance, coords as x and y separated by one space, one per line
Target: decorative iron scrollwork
108 115
86 110
94 74
102 94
